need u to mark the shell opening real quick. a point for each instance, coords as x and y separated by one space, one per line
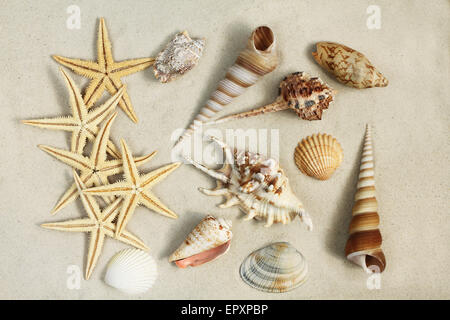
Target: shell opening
263 38
203 257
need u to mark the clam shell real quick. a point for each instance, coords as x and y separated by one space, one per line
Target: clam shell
279 267
318 156
132 271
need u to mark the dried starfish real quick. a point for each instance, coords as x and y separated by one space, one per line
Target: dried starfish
99 224
136 189
82 124
95 169
106 73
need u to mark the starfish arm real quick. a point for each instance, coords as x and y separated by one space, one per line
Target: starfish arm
95 248
112 210
89 203
129 166
113 167
79 109
72 159
104 53
78 141
150 201
157 175
60 123
120 188
102 180
127 67
94 91
98 153
127 211
129 238
124 103
84 68
100 113
77 225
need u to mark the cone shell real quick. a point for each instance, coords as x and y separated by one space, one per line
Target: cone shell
278 267
210 233
132 271
364 244
318 156
349 66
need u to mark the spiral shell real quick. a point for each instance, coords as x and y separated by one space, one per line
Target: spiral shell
349 66
364 245
318 156
132 271
279 267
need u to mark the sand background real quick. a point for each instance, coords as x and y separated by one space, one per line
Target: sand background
410 119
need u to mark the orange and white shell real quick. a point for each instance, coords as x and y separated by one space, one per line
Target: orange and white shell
318 156
349 66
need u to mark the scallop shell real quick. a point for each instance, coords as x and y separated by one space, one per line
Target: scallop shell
258 59
180 55
364 244
279 267
349 66
257 184
132 271
307 96
210 233
318 156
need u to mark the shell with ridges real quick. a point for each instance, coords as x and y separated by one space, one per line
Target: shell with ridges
132 271
318 156
279 267
364 244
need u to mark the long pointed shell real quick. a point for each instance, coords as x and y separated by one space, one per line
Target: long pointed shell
278 267
349 66
258 59
132 271
364 245
318 156
210 233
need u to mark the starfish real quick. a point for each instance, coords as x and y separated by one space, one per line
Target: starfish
95 169
99 224
82 124
135 189
106 73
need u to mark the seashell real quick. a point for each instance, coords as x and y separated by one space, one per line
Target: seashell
349 66
279 267
180 55
132 271
307 96
364 245
257 184
258 59
209 240
318 156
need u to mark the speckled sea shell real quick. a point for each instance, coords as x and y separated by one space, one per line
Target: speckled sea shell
318 156
180 55
349 66
276 268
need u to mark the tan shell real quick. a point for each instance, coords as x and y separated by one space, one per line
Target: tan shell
349 66
318 156
364 244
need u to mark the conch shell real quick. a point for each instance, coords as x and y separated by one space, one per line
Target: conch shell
209 240
307 96
349 66
318 156
258 59
364 245
180 55
258 185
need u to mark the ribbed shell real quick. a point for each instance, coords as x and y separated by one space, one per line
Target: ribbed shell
132 271
276 268
208 234
349 66
318 156
364 244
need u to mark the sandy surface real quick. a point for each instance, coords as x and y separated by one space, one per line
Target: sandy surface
411 135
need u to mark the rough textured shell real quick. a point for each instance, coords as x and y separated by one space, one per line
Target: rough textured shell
180 55
132 271
318 156
349 66
278 267
364 244
208 234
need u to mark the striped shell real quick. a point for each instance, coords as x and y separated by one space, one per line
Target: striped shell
364 245
318 156
276 268
132 271
349 66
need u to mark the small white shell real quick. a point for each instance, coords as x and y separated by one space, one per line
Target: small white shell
132 271
279 267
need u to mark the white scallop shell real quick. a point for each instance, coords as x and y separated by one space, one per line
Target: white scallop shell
279 267
132 271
